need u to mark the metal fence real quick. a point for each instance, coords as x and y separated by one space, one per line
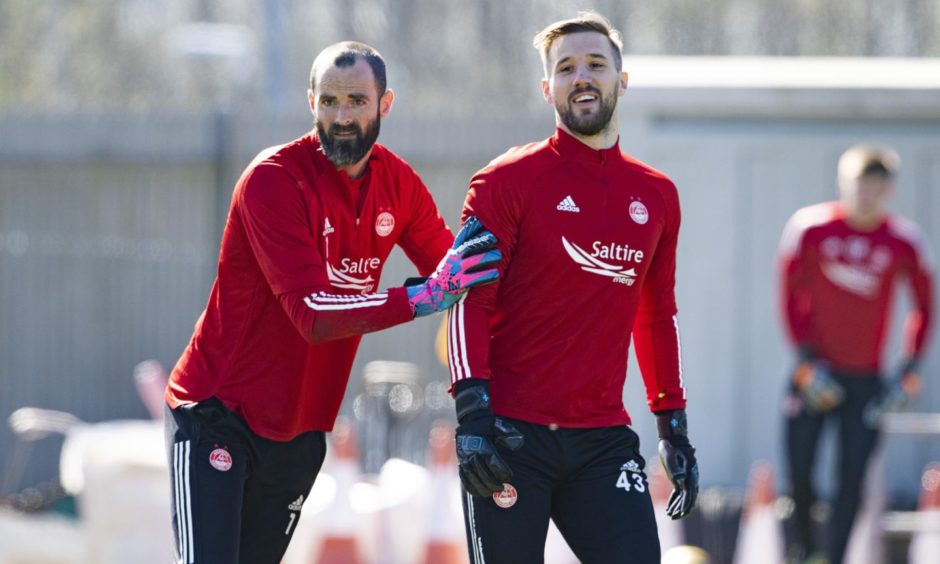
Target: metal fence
109 228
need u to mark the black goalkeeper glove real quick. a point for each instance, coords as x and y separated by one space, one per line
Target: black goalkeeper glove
482 470
678 458
896 394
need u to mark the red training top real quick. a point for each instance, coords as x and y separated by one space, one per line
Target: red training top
301 257
837 284
589 257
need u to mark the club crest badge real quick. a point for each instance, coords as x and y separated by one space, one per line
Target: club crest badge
384 224
220 459
506 498
639 213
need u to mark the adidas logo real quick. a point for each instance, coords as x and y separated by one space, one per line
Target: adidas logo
631 466
327 228
297 504
568 205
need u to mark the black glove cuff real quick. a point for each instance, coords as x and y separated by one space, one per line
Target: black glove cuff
472 397
415 281
805 353
907 365
673 426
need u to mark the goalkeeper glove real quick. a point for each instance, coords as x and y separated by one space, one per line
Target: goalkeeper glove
895 396
482 470
470 262
678 458
819 390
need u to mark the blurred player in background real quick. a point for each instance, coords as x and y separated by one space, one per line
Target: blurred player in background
309 229
538 361
839 263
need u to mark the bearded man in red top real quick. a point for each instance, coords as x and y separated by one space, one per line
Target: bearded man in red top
309 229
538 361
839 263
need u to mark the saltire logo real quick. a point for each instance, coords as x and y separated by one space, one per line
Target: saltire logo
594 265
340 279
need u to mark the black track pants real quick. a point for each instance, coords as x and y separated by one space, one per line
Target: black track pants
236 496
589 481
855 444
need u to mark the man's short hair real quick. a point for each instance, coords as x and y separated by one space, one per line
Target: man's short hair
585 21
344 55
869 160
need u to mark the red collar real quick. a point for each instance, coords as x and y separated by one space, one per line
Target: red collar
571 147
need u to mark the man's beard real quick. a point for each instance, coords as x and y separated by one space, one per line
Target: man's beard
590 124
348 151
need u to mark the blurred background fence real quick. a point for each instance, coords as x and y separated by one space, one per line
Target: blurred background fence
124 123
109 226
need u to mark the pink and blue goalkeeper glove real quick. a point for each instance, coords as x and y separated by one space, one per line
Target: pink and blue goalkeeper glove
470 262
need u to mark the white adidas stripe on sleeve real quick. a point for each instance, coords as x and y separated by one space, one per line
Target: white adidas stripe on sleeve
675 322
322 301
457 343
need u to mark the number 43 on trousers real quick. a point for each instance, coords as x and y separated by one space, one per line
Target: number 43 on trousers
631 470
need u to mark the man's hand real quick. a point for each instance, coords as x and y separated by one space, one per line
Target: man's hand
470 262
908 378
678 458
819 389
481 469
896 395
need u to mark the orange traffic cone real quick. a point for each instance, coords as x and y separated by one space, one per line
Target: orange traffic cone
925 544
670 531
760 538
446 543
339 544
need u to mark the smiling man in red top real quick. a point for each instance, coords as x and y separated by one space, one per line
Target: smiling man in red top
840 262
309 229
538 361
